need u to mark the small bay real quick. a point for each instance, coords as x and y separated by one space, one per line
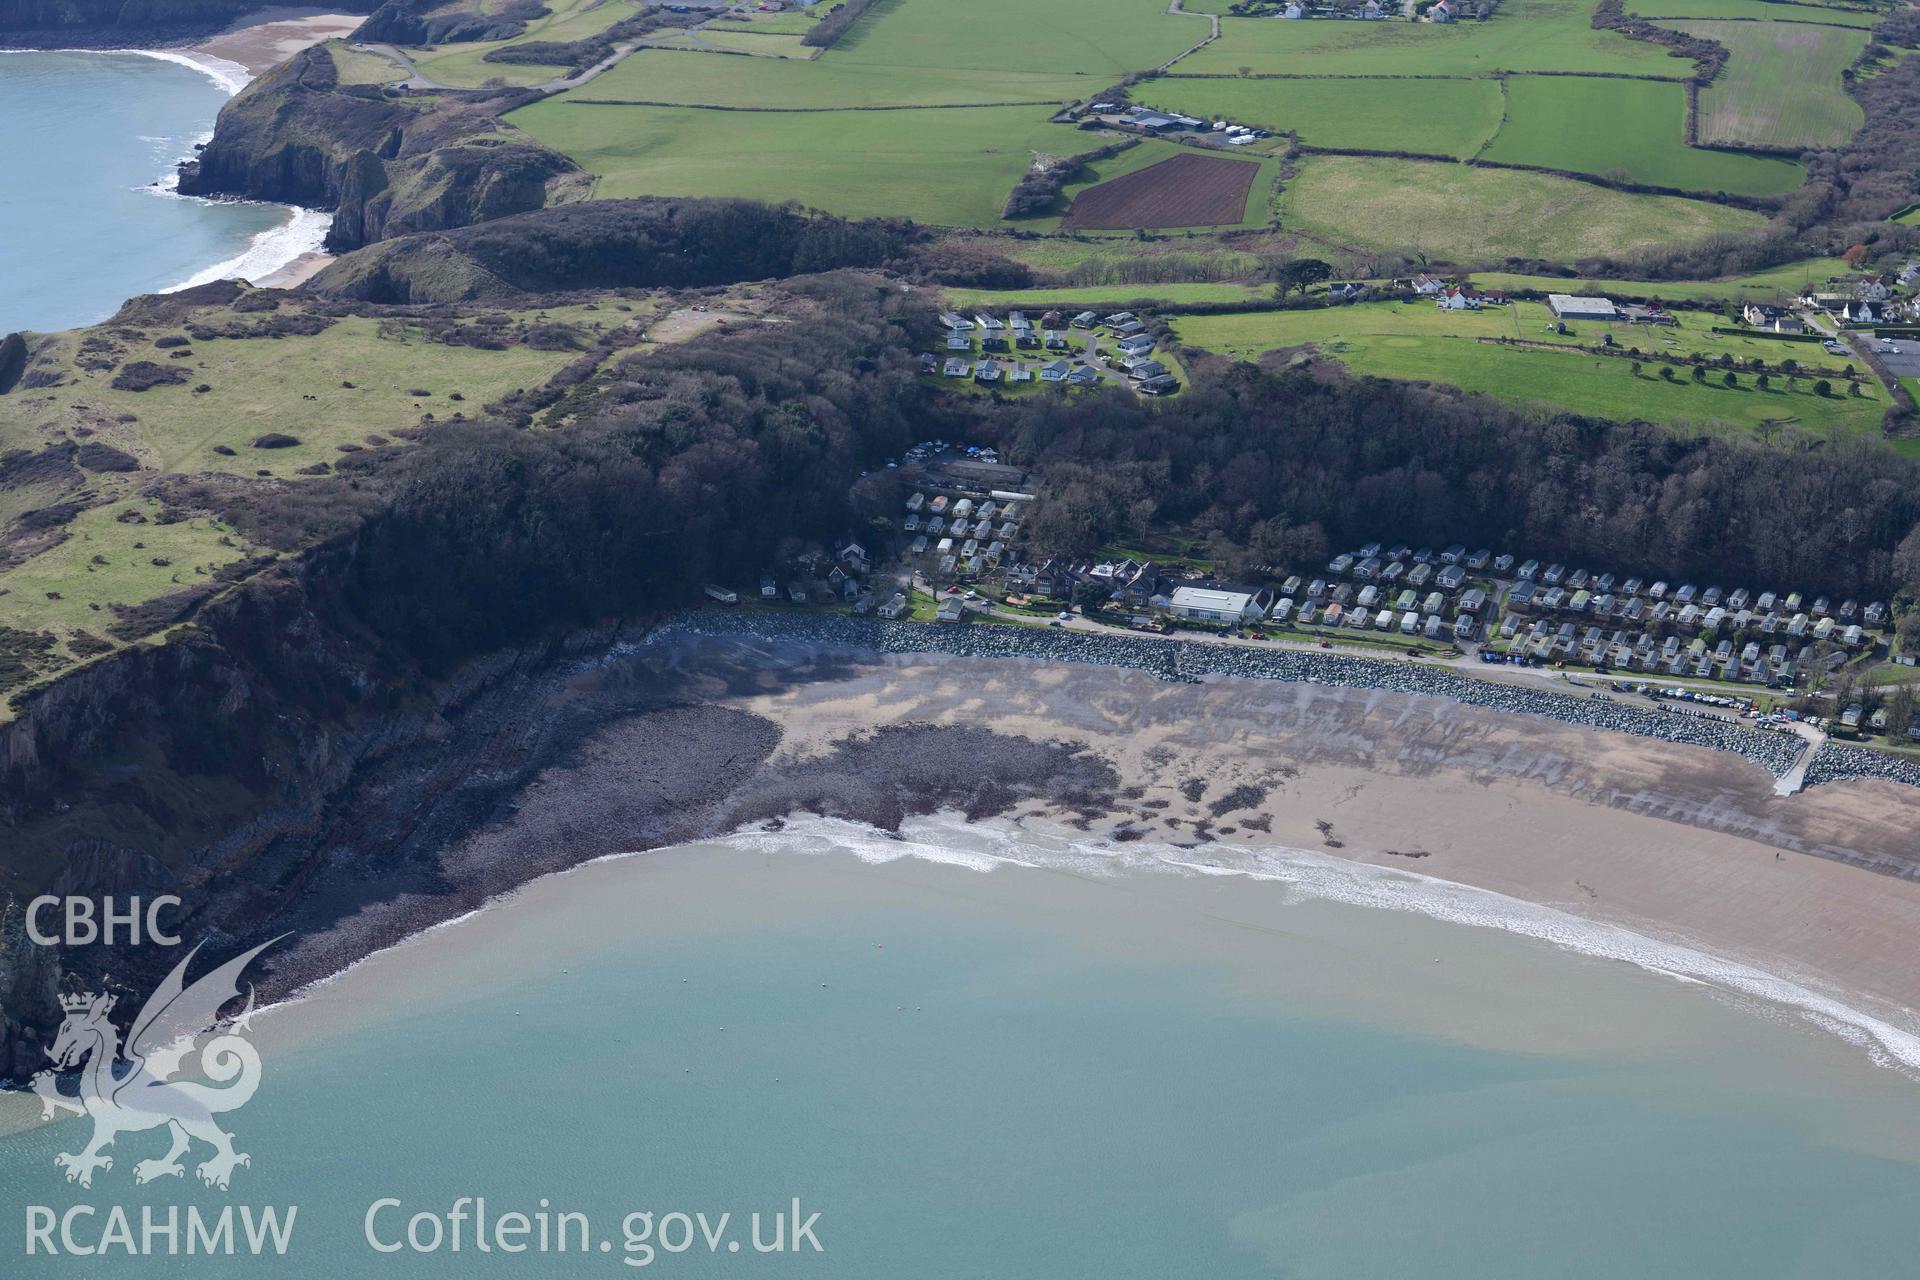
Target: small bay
83 226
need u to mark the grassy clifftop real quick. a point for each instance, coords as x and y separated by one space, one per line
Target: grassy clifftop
387 164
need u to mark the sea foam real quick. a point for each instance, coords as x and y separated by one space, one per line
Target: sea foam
984 846
304 230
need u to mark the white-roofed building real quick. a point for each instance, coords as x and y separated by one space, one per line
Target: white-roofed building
1213 604
1572 306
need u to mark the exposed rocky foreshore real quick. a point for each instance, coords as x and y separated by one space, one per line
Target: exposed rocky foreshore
538 761
1175 660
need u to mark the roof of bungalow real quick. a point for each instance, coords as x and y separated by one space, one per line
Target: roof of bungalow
1212 600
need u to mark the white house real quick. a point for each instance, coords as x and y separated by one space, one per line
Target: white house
1859 313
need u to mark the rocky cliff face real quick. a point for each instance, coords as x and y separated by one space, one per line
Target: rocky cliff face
387 165
264 776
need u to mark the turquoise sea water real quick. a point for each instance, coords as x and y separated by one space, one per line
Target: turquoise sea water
1035 1074
84 137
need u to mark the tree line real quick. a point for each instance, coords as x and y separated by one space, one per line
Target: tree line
1276 467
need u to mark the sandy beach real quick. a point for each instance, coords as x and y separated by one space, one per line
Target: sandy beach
691 738
299 271
268 37
259 42
1676 842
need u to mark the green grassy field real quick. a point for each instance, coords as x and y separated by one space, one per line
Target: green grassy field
107 561
951 167
1020 35
1417 342
1533 322
1781 86
1908 217
1762 286
795 22
465 64
758 45
996 70
667 76
1440 117
1633 130
1758 10
352 384
261 385
1110 295
356 67
1523 35
1459 213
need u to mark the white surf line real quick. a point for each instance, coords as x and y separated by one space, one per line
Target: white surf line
268 252
230 76
303 232
1361 884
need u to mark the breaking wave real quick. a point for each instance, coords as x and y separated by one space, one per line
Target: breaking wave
952 841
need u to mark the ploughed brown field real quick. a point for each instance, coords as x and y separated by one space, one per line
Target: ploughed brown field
1184 191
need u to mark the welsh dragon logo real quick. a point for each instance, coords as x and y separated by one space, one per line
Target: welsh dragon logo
140 1092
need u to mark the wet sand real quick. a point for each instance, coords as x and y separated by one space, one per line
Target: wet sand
297 272
1676 842
689 739
1679 843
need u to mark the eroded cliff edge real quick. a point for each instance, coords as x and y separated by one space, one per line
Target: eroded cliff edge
386 163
